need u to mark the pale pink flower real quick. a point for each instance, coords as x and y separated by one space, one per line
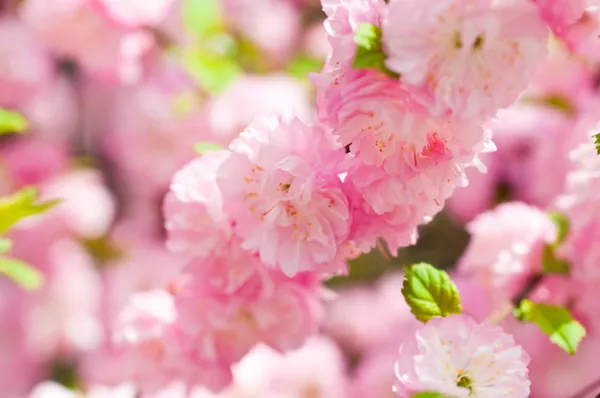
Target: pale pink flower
580 203
162 118
29 161
80 30
151 350
88 207
20 366
195 221
145 264
52 112
280 186
63 316
274 25
50 389
559 14
405 163
25 66
365 318
317 369
136 13
374 376
506 246
464 59
315 42
269 308
343 19
457 356
581 37
249 97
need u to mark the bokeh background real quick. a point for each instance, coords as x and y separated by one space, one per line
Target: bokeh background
116 97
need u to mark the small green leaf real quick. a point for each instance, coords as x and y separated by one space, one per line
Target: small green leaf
212 71
23 274
430 292
429 395
369 51
562 226
204 147
5 245
552 264
20 205
554 321
597 142
202 17
12 122
302 65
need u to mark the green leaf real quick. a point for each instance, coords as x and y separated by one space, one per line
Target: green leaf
12 122
212 71
554 321
204 147
429 395
5 245
369 51
20 205
552 264
202 17
430 292
562 226
302 65
597 142
23 274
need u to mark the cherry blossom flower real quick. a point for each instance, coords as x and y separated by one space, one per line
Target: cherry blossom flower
464 59
506 246
457 356
280 186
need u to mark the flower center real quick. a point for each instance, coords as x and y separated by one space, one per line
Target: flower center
478 43
464 381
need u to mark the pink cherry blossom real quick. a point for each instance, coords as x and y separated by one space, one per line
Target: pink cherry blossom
136 13
150 349
314 370
77 190
364 318
506 246
343 19
25 64
464 59
273 309
249 97
163 119
195 220
559 14
280 186
79 29
31 162
457 356
374 376
405 163
274 25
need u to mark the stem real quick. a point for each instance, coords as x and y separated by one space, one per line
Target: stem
531 284
595 385
498 316
384 251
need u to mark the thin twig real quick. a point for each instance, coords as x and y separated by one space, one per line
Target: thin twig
384 251
498 316
595 385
